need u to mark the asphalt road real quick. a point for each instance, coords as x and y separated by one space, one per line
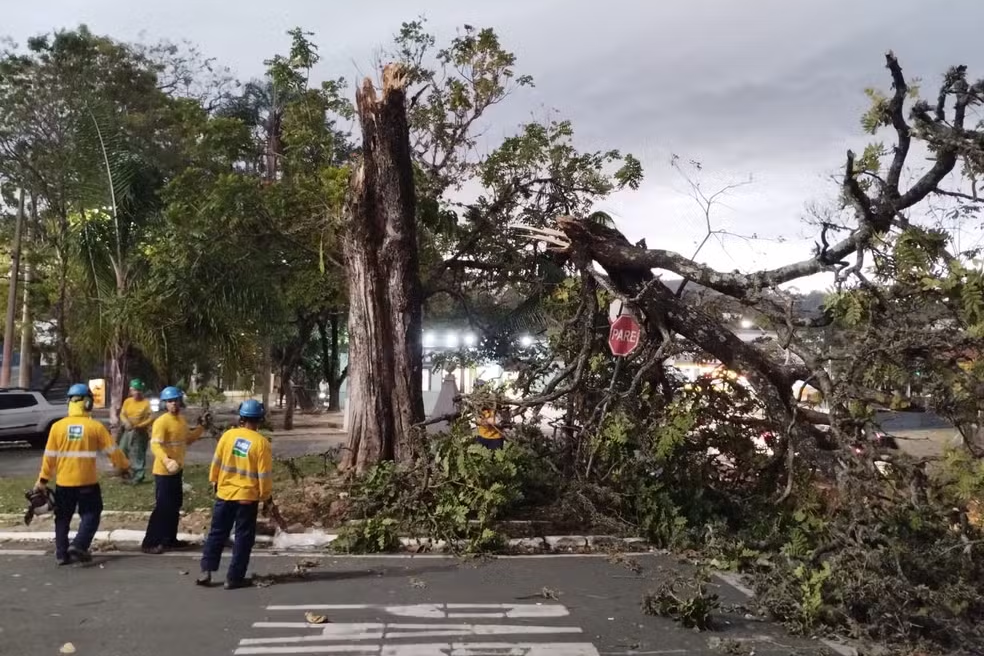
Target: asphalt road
131 605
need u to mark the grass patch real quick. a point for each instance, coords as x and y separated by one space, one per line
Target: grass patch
119 496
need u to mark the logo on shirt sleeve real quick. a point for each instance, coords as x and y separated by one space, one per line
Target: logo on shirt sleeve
75 432
241 447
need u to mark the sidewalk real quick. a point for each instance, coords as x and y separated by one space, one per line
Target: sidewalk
320 539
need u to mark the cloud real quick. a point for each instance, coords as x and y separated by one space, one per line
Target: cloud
770 88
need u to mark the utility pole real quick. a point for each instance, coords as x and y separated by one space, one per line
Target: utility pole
8 328
27 323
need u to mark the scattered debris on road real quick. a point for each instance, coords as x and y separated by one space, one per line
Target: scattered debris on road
544 593
315 619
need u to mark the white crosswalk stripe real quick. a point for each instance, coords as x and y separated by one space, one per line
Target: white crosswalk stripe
401 638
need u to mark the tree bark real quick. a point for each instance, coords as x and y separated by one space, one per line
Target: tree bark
385 315
292 357
331 360
8 329
27 321
288 395
266 373
118 352
304 398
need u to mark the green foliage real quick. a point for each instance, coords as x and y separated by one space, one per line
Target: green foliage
811 586
868 561
372 535
457 85
962 477
849 307
458 496
878 115
206 396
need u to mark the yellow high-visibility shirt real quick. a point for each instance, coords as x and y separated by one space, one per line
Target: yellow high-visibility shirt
488 432
242 467
170 438
73 444
137 412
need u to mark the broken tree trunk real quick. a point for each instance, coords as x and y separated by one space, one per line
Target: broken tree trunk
380 244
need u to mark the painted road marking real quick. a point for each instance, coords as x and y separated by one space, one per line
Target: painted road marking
448 611
383 638
379 631
442 649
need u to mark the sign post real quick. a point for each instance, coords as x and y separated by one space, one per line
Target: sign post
624 335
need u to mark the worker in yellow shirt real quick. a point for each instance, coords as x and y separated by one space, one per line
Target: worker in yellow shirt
241 475
136 417
70 461
169 440
489 426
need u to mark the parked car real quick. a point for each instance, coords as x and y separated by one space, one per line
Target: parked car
26 416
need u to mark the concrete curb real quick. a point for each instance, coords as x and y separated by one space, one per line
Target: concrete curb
317 540
144 514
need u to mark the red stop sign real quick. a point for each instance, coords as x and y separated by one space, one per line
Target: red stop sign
623 338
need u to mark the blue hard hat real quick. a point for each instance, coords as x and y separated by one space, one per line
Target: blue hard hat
251 409
171 393
79 389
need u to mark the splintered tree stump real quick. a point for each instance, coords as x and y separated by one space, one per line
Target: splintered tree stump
385 317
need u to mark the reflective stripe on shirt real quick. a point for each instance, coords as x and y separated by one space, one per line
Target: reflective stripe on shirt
175 443
70 454
242 472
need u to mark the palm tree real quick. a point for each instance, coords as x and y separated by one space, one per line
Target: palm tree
119 209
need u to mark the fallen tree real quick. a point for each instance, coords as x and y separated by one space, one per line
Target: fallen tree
883 232
640 451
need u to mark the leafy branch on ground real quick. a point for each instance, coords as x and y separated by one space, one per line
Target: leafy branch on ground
684 600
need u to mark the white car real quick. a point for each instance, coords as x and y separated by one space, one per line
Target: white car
26 416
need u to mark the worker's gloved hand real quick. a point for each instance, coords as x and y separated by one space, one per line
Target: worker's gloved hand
171 465
41 486
266 508
214 487
126 474
204 418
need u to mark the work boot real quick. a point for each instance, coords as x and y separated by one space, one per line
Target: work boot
204 579
235 585
81 555
155 550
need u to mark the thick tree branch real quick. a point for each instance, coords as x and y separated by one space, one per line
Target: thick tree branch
873 215
904 137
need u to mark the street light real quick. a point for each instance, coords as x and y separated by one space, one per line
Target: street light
746 323
526 341
429 339
470 339
451 340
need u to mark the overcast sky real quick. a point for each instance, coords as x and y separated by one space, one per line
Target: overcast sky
770 89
